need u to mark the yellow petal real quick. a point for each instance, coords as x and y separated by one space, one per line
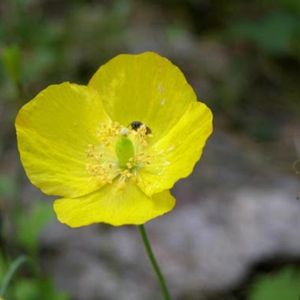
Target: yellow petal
174 156
114 206
54 131
144 87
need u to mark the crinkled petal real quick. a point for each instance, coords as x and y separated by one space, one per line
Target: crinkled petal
146 88
54 131
174 156
114 206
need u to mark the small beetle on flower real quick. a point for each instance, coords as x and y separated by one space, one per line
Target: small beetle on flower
112 149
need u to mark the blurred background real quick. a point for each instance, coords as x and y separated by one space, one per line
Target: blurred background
235 233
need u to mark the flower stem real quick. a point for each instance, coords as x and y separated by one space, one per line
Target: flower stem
154 263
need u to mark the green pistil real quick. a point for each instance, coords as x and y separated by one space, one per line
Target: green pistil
124 150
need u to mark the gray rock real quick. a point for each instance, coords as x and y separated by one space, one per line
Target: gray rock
231 214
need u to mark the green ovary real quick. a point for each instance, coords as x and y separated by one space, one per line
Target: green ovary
124 150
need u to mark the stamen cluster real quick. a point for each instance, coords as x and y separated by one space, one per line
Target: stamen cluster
104 160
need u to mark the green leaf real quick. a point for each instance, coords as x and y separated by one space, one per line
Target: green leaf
12 62
283 285
31 289
30 225
11 272
3 267
274 34
25 289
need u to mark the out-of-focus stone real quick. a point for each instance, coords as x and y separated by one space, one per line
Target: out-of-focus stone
229 216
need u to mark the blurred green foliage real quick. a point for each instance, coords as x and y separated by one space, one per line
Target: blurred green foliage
29 225
283 285
26 288
275 34
31 289
12 63
28 283
257 93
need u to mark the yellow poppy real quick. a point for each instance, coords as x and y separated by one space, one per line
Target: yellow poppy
112 149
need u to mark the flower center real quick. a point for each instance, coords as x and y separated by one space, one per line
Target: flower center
120 153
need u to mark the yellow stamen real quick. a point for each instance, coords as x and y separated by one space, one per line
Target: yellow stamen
121 153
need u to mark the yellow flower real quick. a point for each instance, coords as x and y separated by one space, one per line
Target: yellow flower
114 148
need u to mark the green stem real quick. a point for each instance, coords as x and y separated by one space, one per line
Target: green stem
154 263
11 272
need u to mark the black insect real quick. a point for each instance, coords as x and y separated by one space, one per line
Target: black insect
135 125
